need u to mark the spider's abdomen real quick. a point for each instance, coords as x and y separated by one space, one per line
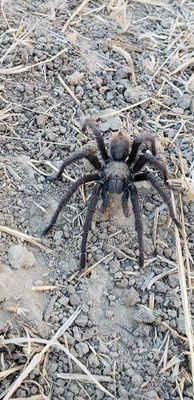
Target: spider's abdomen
116 174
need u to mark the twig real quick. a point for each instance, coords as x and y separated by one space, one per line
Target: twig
79 9
24 237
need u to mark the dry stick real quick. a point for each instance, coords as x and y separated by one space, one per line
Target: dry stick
68 89
34 397
183 66
38 357
112 114
20 68
23 236
79 9
83 377
184 295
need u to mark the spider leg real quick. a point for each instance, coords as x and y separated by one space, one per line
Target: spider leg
105 199
87 225
149 158
125 204
147 176
138 221
136 144
80 181
92 124
78 155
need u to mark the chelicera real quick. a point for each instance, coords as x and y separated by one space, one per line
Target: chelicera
118 171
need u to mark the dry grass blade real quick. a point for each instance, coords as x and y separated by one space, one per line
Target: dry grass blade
43 288
78 11
128 58
160 3
171 363
23 236
7 372
84 369
95 265
184 295
18 69
160 276
35 397
38 357
183 66
68 90
83 377
130 107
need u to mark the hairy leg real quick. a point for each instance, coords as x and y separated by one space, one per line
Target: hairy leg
105 199
149 158
125 204
87 225
77 155
80 181
138 221
147 176
137 143
92 124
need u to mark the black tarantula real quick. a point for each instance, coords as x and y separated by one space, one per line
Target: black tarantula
117 173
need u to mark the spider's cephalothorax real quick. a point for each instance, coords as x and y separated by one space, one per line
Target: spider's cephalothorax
116 173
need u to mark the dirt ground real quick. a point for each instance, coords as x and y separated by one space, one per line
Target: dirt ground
120 331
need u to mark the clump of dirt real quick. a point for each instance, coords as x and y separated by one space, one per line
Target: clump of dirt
114 331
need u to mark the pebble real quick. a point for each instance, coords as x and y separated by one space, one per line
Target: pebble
144 315
132 297
74 299
173 280
123 283
137 380
152 395
75 78
20 257
161 287
81 320
93 361
41 120
181 324
82 348
64 300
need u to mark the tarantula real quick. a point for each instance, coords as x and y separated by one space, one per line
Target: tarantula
117 173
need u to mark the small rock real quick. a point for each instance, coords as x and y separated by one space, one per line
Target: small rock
41 120
137 380
74 299
181 324
152 395
161 287
76 334
81 320
144 315
123 283
82 348
64 300
58 236
93 361
20 257
75 78
173 280
111 121
184 101
132 298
